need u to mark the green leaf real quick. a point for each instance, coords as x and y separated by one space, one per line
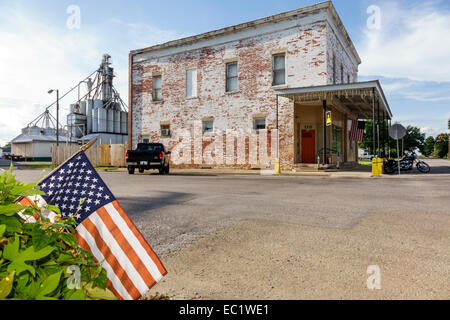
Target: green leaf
50 284
11 250
6 285
30 254
20 266
39 238
76 295
10 209
2 229
54 209
12 223
69 240
24 190
99 294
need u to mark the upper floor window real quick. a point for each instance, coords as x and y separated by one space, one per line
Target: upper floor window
342 73
157 92
191 83
348 78
334 69
259 123
279 69
232 76
208 126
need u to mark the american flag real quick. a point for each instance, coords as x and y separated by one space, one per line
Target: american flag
357 130
104 228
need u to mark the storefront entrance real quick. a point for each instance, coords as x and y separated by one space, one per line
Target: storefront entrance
308 146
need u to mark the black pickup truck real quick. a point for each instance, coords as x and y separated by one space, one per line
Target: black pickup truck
148 156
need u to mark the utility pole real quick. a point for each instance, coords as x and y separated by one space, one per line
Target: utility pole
57 114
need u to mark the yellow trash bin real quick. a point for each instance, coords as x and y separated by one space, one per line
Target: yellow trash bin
376 172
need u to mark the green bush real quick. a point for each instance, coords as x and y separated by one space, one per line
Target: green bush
35 257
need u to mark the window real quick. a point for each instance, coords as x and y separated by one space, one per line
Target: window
337 139
208 126
348 78
191 83
259 123
145 140
165 130
150 147
232 77
334 69
342 73
157 92
279 69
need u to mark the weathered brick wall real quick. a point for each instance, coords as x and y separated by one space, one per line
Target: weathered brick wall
306 48
343 58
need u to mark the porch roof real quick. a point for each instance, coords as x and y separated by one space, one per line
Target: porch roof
355 97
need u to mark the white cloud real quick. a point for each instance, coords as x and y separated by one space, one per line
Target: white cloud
412 43
39 56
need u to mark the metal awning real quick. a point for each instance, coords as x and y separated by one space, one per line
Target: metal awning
355 97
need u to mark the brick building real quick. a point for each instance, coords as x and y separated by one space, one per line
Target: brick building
270 82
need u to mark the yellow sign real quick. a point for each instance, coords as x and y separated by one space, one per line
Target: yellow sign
329 121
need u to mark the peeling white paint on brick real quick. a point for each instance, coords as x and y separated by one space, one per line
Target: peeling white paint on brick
308 42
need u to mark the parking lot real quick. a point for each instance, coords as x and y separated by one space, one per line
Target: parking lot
233 236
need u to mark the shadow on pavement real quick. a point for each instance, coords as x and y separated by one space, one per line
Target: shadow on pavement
138 206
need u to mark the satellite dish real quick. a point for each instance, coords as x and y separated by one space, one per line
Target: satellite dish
397 132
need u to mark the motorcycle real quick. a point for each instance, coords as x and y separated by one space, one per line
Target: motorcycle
406 164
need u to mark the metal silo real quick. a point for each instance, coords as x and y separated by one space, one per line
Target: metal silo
110 121
116 121
90 106
95 120
102 120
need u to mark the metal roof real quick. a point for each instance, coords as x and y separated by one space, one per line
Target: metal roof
356 97
26 138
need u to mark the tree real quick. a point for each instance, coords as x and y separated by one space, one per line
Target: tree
414 139
428 147
442 145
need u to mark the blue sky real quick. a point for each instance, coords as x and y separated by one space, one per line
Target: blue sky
410 52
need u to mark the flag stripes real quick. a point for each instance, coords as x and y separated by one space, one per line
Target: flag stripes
87 242
152 257
357 131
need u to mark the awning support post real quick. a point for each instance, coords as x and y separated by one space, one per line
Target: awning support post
374 124
325 160
378 130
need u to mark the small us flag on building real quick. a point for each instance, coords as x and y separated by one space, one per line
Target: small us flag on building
357 131
104 228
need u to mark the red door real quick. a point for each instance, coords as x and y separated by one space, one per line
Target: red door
308 146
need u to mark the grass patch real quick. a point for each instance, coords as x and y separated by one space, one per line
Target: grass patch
365 162
35 166
107 168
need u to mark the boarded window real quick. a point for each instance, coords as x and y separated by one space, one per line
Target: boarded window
279 69
157 85
259 123
191 83
208 126
232 76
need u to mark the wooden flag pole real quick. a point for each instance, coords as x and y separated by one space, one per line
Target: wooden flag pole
87 146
